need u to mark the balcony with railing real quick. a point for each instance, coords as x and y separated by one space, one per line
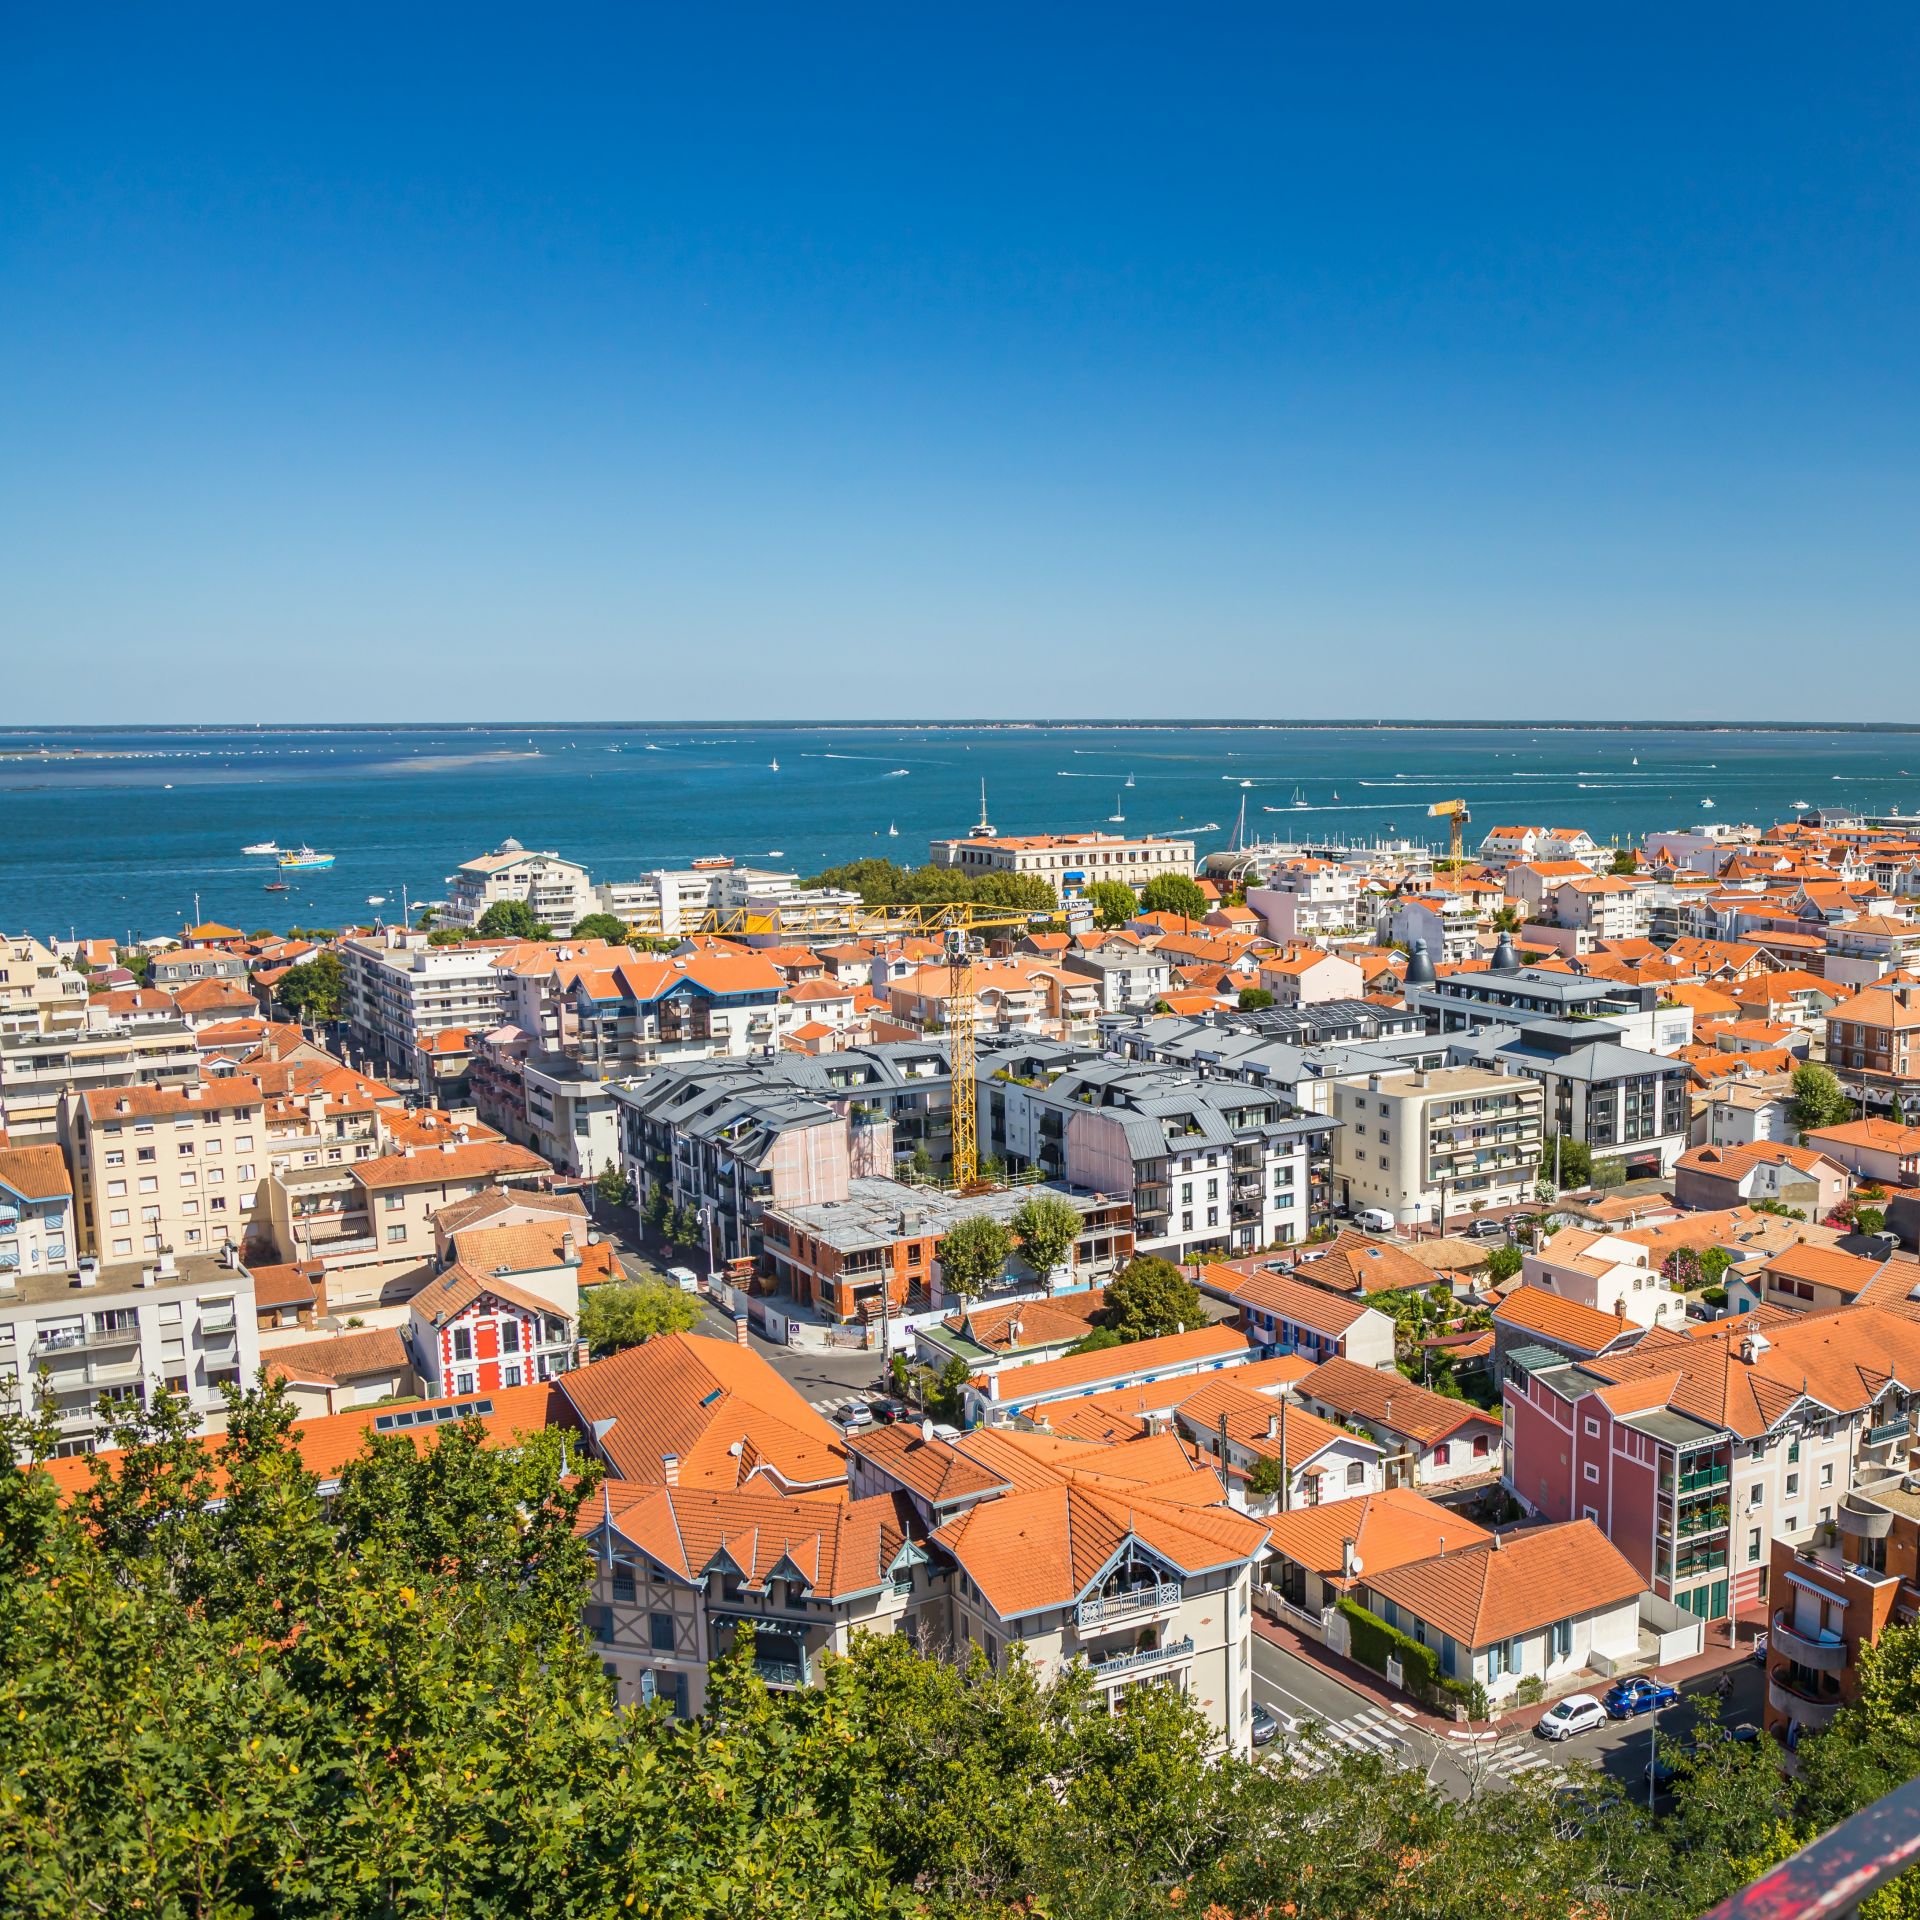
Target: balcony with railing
1104 1612
88 1339
1713 1517
1117 1664
780 1673
1805 1701
1697 1480
1821 1651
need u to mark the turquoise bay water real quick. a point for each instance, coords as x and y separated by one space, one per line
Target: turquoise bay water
119 836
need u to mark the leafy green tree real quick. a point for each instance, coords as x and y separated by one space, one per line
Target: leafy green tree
1266 1477
1044 1229
657 1209
447 937
315 990
920 1165
1113 903
1869 1220
1506 919
1253 999
512 920
1149 1297
601 926
613 1186
973 1255
685 1230
1623 864
1576 1161
1713 1264
1174 893
1503 1263
1097 1340
1818 1098
614 1316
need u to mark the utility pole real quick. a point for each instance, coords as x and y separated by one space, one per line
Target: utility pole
1286 1472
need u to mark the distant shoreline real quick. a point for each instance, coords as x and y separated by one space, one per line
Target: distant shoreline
316 729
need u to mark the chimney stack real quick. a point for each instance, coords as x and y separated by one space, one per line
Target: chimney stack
569 1251
740 1329
670 1469
1496 1540
1347 1558
1273 1426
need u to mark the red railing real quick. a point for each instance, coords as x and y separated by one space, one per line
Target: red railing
1828 1878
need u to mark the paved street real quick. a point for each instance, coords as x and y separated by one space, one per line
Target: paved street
1304 1695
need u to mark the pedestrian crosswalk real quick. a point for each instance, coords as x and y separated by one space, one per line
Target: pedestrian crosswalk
1517 1755
1313 1746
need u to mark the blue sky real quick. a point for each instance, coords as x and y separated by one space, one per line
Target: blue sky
368 362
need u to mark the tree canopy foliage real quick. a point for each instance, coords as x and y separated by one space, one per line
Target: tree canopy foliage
511 920
614 1316
1149 1297
1175 893
1819 1100
601 926
382 1707
973 1255
1045 1228
1114 903
885 883
315 990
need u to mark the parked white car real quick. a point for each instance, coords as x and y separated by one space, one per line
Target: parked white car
1577 1713
684 1278
1373 1219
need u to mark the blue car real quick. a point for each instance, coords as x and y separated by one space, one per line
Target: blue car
1625 1698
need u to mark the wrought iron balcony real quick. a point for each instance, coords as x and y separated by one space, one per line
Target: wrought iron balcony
1142 1657
780 1673
1116 1609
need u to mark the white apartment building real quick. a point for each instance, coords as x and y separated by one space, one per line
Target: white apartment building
557 890
37 1070
1405 1137
1068 862
400 991
97 1338
166 1170
1306 899
1611 1273
39 993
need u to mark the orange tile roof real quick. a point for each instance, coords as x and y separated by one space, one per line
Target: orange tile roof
34 1173
289 1285
489 1201
717 1405
1530 1579
340 1356
938 1472
328 1441
1354 1262
1045 1548
1123 1413
478 1160
450 1293
108 1104
839 1549
1262 1423
536 1246
1569 1322
1085 1371
1040 1322
1386 1530
1392 1401
1254 1284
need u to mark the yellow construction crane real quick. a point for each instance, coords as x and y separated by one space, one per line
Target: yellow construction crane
1455 814
957 924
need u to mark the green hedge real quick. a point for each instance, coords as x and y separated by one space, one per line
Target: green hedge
1373 1643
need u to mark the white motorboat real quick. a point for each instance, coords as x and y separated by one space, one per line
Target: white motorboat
262 846
1706 806
1802 806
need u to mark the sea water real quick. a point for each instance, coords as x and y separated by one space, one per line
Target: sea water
115 831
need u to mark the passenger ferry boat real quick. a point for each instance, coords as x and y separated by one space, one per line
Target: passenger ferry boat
306 857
